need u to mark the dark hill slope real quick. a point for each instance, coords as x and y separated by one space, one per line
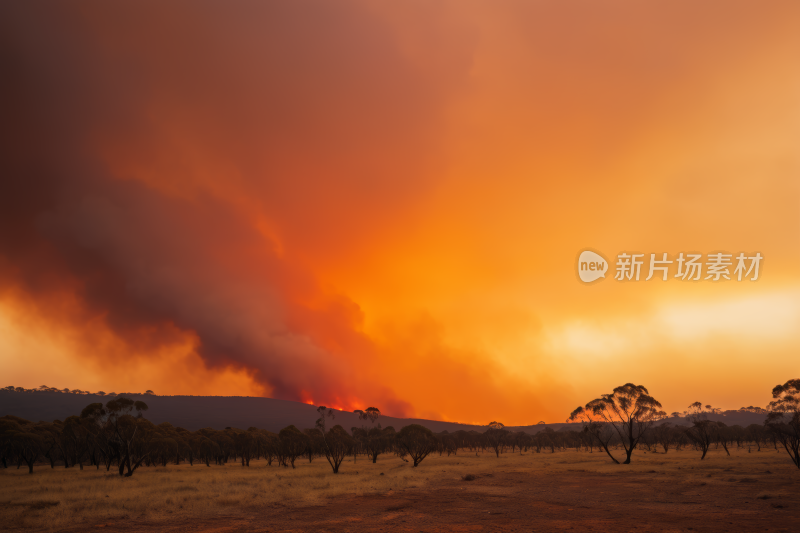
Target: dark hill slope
195 412
219 412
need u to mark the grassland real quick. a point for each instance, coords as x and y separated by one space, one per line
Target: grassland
523 488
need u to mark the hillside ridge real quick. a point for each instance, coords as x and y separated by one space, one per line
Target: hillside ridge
219 412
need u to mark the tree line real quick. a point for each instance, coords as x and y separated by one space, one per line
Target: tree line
118 435
45 388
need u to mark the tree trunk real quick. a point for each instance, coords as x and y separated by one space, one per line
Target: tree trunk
609 454
628 453
725 446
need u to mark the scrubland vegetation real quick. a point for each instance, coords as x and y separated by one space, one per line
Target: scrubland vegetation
55 499
111 463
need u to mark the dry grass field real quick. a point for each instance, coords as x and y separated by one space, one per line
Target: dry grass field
758 491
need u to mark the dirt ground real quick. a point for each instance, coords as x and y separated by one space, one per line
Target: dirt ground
758 491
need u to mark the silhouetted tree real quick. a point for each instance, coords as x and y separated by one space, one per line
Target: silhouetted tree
664 434
783 419
243 442
703 432
130 434
315 444
371 414
629 410
49 434
76 433
293 444
337 443
377 441
496 437
271 446
95 420
418 441
21 440
9 425
448 443
205 448
603 433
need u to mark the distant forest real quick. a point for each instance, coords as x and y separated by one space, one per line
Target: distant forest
118 435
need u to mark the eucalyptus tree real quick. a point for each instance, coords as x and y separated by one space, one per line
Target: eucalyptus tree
756 433
244 444
293 444
629 411
378 440
449 444
204 448
183 436
664 434
360 435
8 426
724 436
417 441
703 432
783 419
496 438
95 419
316 444
49 434
75 439
371 414
19 438
131 434
27 445
336 442
272 444
545 439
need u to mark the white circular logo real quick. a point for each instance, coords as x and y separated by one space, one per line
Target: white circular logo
591 266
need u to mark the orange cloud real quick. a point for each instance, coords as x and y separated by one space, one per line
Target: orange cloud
361 204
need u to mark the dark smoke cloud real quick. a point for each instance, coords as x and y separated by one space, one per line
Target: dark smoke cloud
143 142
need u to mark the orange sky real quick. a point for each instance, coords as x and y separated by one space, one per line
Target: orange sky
362 203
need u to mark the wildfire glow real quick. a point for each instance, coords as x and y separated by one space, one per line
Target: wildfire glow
381 204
